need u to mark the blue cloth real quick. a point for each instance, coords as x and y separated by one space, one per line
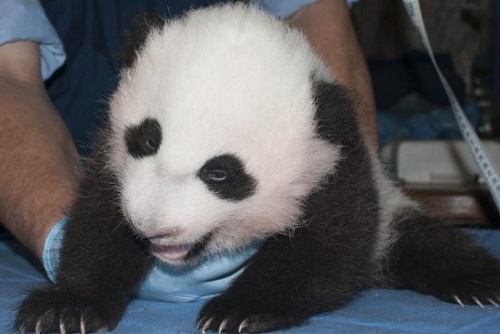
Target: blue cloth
206 280
282 9
25 20
164 282
376 311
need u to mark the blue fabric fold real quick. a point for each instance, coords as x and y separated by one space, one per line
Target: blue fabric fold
375 311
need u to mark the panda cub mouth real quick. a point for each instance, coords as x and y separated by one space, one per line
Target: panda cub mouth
180 252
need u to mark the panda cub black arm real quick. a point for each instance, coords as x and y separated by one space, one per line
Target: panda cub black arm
288 281
101 263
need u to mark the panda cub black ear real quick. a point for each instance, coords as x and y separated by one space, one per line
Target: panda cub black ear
135 36
144 140
225 176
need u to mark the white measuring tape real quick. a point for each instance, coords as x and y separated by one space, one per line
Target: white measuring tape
484 162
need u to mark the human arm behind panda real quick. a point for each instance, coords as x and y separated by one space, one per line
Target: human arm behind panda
39 167
328 27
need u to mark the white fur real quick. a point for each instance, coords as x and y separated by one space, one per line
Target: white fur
230 79
394 206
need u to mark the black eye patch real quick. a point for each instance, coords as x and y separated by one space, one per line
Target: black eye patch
143 140
226 177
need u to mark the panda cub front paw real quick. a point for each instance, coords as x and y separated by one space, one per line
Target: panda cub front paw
47 310
243 314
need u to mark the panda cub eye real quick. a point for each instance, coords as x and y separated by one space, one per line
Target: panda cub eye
143 140
225 176
217 175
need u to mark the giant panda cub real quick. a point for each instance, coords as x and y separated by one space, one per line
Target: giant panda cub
226 129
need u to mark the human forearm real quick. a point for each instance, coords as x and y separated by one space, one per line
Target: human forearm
38 161
327 25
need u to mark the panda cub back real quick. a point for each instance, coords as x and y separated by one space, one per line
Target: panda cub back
228 105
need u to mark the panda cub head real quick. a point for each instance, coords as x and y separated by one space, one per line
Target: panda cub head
213 136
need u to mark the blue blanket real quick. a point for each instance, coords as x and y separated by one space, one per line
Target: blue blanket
375 311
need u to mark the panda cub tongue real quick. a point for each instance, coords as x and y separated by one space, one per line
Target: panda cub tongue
176 252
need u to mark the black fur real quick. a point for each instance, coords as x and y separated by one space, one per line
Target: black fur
226 177
144 140
134 39
439 260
